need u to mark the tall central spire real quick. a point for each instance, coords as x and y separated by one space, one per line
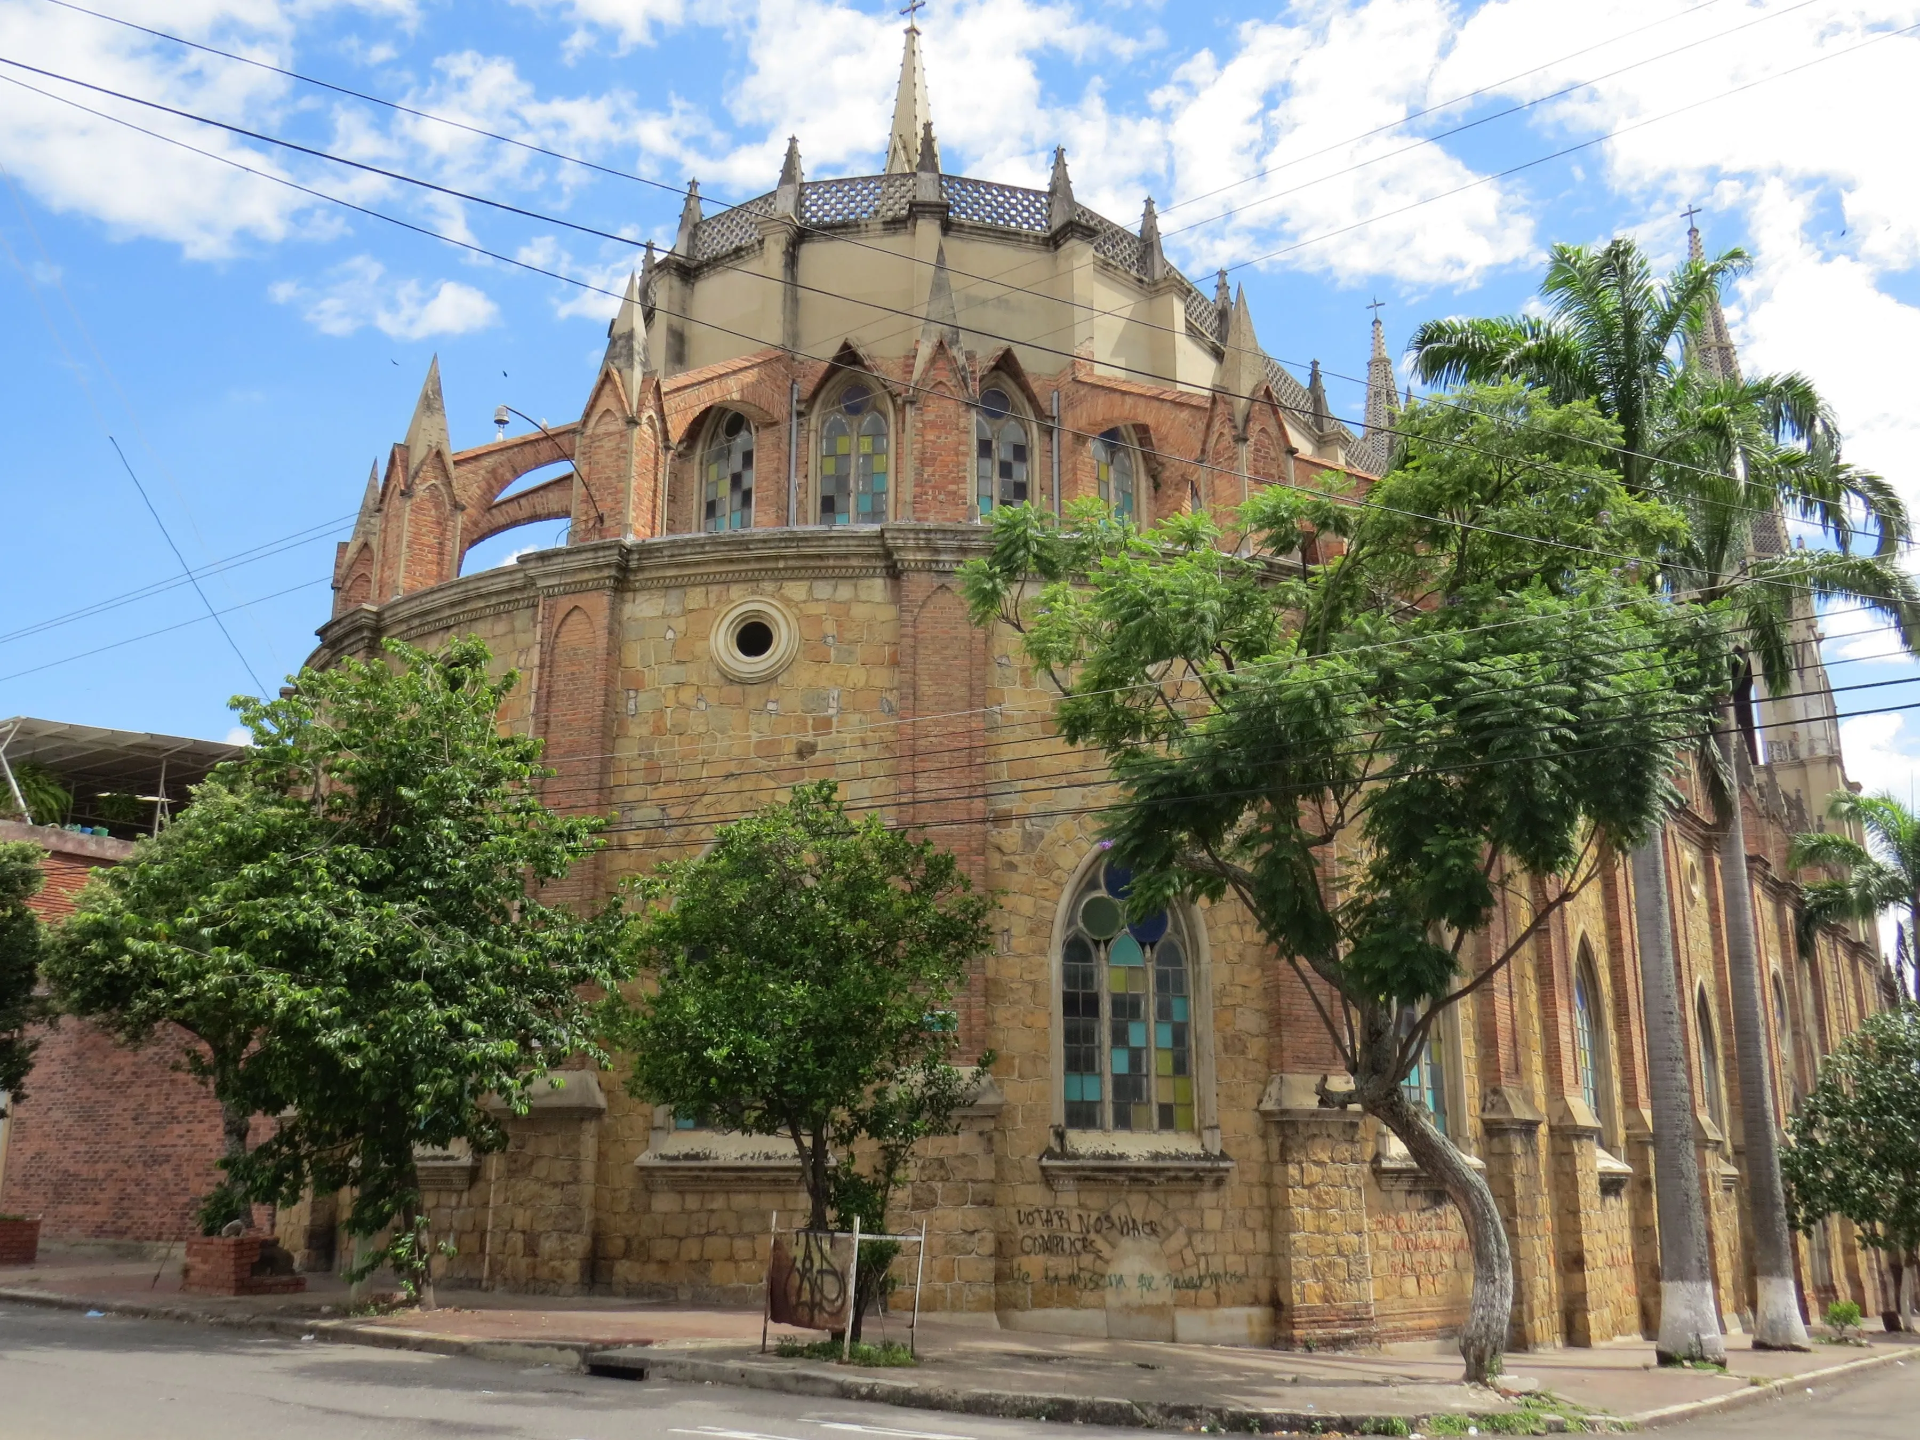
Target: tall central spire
911 114
1712 343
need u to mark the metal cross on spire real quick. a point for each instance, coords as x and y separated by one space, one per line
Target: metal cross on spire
1690 212
911 10
1377 306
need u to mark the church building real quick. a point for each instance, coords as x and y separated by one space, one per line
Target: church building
809 406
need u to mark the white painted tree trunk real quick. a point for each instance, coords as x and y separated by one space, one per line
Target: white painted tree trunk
1689 1320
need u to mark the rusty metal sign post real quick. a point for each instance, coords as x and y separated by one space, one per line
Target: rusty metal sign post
813 1276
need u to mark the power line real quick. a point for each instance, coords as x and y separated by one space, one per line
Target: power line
1044 717
1098 809
533 268
100 420
914 319
213 615
266 549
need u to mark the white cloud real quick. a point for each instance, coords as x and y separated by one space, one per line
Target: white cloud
631 22
239 735
359 293
1879 756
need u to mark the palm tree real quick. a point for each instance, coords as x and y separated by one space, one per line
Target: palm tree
1883 874
1729 451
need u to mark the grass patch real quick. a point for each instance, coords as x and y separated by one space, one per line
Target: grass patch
890 1352
1530 1418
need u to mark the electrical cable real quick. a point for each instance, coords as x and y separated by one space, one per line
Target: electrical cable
915 320
266 549
167 629
527 265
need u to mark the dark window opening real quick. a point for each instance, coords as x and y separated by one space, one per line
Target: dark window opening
753 639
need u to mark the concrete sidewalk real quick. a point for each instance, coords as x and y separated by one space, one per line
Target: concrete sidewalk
975 1368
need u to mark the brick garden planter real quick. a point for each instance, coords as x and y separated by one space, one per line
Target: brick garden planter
19 1240
217 1265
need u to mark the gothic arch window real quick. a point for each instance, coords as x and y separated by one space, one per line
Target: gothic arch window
1116 469
1128 1011
726 473
1002 446
856 462
1426 1083
1592 1058
1710 1083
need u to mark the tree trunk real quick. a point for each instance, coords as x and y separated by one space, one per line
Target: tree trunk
1892 1317
1483 1339
1689 1323
1776 1311
819 1183
236 1122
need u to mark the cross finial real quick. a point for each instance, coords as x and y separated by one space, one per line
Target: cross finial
1377 306
910 10
1690 212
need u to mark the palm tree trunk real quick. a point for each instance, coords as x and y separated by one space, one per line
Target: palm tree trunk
1776 1312
1689 1323
1483 1339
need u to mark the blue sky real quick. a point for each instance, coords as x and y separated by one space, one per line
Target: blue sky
254 349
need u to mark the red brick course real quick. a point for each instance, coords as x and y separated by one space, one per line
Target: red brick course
19 1240
218 1265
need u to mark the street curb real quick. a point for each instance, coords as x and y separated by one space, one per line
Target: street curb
1772 1390
820 1382
643 1362
570 1354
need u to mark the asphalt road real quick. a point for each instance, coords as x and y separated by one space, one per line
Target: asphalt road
66 1377
1881 1405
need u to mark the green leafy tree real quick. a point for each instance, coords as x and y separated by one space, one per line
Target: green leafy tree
803 972
1732 453
1883 874
1856 1139
20 943
1461 707
348 920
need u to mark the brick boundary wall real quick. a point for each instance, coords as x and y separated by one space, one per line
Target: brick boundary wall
111 1143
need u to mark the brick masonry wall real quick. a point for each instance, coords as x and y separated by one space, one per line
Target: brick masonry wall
894 695
111 1143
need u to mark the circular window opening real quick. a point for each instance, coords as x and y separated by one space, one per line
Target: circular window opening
995 403
753 639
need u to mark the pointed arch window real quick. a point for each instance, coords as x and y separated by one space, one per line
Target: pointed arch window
1426 1083
1002 446
1127 1006
855 459
726 473
1116 469
1593 1044
1709 1061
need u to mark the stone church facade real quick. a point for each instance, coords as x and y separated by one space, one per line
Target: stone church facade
807 408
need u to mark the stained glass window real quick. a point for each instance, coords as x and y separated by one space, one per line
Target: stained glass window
1000 453
1709 1061
1113 466
1426 1083
727 473
854 460
1585 1040
1126 1003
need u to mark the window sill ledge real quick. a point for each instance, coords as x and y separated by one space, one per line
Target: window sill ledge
1098 1162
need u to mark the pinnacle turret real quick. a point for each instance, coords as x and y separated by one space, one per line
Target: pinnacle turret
1317 392
911 113
427 431
689 222
1153 257
1243 368
370 501
627 340
1059 192
786 196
